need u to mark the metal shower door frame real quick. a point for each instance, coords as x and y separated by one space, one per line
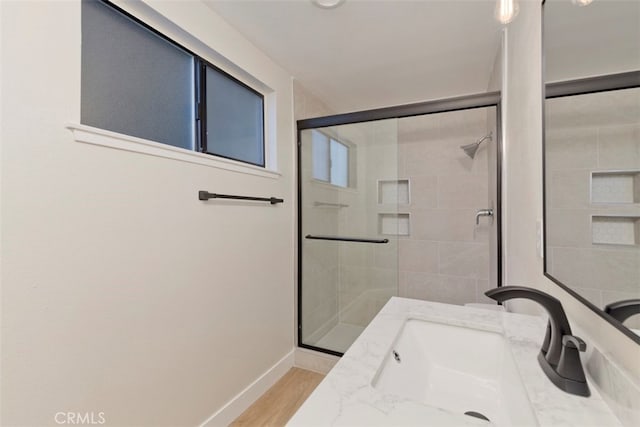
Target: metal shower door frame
467 102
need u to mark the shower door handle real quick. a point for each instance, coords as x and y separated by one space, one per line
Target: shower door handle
483 212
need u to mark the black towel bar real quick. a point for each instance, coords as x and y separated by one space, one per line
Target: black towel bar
205 195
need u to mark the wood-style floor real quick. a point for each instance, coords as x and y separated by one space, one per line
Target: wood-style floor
276 407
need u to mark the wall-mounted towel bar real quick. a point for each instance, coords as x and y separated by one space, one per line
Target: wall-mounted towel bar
330 205
205 195
346 239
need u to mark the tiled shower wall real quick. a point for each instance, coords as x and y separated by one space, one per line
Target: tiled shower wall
347 282
340 279
446 256
593 133
320 300
368 272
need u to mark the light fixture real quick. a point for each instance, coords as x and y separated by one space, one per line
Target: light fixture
582 2
327 4
506 10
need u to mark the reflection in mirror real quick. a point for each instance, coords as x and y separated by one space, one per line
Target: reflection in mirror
623 310
592 154
592 166
594 40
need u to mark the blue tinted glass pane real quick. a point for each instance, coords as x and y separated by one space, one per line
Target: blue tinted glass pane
133 81
234 119
339 164
320 155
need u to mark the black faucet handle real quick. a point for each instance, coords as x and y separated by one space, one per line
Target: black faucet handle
569 370
573 341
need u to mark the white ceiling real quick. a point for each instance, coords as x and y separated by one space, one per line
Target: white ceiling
373 53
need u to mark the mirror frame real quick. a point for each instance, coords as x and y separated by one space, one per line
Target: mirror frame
582 86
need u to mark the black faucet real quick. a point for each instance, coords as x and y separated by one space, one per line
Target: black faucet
622 310
559 356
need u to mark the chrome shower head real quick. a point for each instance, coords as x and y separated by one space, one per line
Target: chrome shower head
471 149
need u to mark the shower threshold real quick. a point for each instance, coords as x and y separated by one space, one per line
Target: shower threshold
340 337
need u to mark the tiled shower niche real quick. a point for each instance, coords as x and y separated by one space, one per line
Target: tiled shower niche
391 192
394 224
615 230
615 187
394 191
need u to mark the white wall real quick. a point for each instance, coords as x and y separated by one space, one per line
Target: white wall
522 102
121 292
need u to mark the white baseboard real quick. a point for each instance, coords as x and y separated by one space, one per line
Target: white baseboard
236 406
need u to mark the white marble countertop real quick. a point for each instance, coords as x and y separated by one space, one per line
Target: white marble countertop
346 396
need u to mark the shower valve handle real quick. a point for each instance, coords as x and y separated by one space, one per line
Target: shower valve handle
483 212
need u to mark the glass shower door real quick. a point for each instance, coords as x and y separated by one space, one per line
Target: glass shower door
350 225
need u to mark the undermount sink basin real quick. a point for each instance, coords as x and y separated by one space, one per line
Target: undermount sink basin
456 368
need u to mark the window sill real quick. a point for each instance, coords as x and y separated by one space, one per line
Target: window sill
91 135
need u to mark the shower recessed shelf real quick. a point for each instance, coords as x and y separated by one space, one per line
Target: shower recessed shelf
393 224
393 191
615 230
615 187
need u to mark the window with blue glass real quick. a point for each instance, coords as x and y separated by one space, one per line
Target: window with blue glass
138 82
234 118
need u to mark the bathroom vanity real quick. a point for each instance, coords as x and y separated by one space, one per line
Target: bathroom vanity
425 363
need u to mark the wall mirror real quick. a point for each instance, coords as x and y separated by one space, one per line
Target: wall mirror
592 155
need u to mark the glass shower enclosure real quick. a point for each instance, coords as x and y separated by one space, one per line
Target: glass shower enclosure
349 228
400 201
